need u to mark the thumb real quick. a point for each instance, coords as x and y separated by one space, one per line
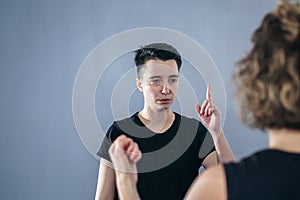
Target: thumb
198 108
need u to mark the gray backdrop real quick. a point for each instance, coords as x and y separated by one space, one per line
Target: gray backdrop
42 46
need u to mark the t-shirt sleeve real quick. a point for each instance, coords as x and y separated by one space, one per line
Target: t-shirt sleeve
205 141
110 136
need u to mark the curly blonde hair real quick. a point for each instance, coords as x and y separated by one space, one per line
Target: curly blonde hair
268 78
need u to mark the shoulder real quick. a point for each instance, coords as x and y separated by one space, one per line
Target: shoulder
119 127
195 127
186 118
126 122
191 122
211 184
131 127
256 163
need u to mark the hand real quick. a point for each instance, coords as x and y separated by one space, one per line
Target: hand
125 154
210 115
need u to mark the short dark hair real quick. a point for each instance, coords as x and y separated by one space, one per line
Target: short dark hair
155 51
268 78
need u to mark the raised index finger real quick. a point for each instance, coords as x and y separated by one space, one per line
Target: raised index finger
208 96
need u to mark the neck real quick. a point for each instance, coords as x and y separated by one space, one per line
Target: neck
285 140
156 116
157 121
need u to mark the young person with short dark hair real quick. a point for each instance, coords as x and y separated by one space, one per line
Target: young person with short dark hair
180 144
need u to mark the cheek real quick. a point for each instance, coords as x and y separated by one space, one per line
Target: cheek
151 92
174 89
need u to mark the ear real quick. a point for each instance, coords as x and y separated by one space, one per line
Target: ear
139 84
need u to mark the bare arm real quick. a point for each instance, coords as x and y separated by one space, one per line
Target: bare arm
210 185
211 118
127 188
223 149
106 181
125 154
223 153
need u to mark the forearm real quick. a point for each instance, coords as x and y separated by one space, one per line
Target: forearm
106 182
127 189
223 149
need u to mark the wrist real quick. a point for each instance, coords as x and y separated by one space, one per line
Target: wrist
216 135
125 179
126 186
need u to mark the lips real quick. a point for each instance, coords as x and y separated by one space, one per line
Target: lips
165 101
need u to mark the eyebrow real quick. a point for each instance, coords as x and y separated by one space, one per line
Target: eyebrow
154 77
172 76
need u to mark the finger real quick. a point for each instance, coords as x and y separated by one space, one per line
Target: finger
121 142
203 107
209 105
211 110
120 147
124 143
133 155
208 96
198 107
121 137
130 148
137 152
138 157
136 149
133 149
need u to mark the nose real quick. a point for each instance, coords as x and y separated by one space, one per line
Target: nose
165 89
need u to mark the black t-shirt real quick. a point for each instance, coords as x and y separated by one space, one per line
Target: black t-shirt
266 175
170 160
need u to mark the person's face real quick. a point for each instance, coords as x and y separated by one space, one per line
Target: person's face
159 84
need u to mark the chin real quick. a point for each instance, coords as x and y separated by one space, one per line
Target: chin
164 108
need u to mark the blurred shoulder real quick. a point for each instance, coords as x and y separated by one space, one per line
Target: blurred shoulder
211 184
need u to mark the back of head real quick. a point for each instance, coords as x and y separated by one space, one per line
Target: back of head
155 51
268 78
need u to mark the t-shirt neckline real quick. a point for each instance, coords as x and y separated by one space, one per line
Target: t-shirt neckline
175 123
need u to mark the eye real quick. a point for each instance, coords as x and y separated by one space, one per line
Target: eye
173 80
155 82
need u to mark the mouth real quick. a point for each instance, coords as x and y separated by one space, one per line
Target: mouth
165 101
